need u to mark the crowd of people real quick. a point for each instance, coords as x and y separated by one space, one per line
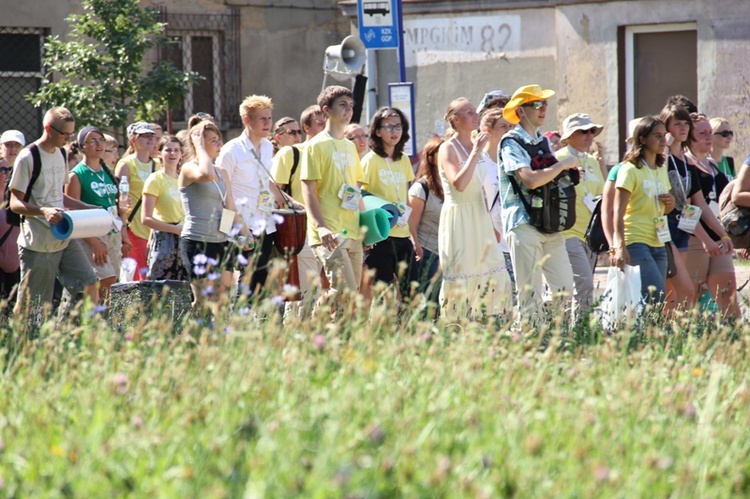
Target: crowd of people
492 218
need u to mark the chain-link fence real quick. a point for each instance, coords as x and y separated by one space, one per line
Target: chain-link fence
20 74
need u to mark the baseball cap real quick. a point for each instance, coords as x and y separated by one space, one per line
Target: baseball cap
12 136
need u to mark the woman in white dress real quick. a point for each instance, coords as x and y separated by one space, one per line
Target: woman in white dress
475 280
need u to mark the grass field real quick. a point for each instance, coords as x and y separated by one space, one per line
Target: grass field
373 406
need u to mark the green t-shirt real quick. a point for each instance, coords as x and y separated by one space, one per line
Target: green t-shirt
97 187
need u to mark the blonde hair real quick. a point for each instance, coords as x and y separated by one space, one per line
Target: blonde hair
203 126
254 103
490 117
57 114
716 123
452 110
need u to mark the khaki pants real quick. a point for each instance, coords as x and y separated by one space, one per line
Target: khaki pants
535 255
344 267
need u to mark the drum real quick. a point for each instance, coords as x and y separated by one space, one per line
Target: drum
289 240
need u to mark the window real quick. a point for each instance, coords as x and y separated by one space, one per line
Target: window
209 45
20 74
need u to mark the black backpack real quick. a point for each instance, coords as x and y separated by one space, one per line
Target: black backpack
551 207
11 217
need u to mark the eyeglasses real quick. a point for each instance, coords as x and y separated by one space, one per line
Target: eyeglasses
64 134
5 169
391 128
725 133
358 137
94 142
110 151
291 132
536 105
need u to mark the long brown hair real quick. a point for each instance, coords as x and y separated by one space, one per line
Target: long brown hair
428 167
642 130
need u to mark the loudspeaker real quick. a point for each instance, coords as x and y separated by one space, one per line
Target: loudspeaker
351 52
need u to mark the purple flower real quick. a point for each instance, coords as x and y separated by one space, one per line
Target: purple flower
214 276
143 271
207 290
278 300
212 262
199 270
128 264
244 311
258 226
319 341
200 259
278 219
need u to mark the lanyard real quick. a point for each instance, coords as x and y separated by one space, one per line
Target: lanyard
713 179
687 174
656 190
260 183
223 195
260 177
393 179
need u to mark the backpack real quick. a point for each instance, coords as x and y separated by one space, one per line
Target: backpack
288 187
11 217
551 207
735 219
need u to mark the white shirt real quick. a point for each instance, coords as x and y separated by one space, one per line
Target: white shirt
248 176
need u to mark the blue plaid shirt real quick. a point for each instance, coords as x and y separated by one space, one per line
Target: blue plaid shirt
512 157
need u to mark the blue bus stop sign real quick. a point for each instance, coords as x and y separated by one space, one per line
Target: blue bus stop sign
378 23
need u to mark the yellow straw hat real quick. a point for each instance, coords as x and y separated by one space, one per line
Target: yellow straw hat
524 95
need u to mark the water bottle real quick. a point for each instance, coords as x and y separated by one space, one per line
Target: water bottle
340 238
124 193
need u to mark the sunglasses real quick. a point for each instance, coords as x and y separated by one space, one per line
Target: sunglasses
358 137
536 105
391 128
5 169
292 132
587 131
698 116
204 116
725 133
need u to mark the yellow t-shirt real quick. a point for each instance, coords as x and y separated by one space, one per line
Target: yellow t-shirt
644 185
388 181
281 170
139 172
332 162
168 207
591 182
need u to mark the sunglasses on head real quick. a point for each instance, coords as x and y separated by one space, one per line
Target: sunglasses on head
725 133
698 116
537 105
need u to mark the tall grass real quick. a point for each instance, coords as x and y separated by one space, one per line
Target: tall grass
375 404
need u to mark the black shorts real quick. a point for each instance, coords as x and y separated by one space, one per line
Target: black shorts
385 256
200 258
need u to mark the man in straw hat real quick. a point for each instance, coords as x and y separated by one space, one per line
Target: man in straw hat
577 137
533 253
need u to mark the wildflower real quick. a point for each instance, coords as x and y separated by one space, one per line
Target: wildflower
128 336
235 230
289 291
426 336
241 259
2 444
120 383
601 473
375 433
199 270
242 201
258 226
207 290
319 341
214 276
213 262
143 271
99 309
244 311
278 300
136 421
278 219
200 259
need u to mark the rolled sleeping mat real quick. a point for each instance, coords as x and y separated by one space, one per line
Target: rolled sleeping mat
78 224
373 202
377 224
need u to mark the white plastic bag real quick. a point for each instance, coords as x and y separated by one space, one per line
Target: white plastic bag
127 269
622 296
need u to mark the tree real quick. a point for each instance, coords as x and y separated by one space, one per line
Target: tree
100 71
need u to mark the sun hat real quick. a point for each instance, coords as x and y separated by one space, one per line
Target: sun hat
138 128
491 99
631 129
524 95
85 131
12 136
578 121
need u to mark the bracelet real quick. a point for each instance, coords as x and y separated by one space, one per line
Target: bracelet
727 238
612 250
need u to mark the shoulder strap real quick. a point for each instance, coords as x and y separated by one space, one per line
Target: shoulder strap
423 183
140 199
36 170
295 164
730 162
5 236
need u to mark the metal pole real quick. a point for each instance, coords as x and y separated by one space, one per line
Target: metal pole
400 33
371 71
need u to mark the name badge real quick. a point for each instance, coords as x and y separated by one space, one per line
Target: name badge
265 201
689 218
404 211
662 229
227 221
350 196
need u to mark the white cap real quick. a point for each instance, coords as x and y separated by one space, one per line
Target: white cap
12 136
